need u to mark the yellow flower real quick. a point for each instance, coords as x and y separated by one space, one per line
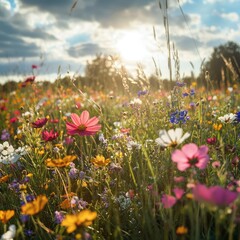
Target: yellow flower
6 215
83 218
217 127
181 230
100 161
34 207
189 195
60 162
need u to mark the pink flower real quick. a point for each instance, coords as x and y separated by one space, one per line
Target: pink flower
49 136
168 201
178 192
191 155
83 125
215 195
39 123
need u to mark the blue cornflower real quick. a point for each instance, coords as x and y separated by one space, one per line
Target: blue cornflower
180 84
192 92
142 92
237 119
179 116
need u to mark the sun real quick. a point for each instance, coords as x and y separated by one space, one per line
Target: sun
131 47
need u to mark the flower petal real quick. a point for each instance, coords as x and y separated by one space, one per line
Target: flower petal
84 117
190 150
76 119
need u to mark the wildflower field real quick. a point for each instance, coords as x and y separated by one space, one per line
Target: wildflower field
84 164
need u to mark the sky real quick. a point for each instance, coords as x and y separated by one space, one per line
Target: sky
60 39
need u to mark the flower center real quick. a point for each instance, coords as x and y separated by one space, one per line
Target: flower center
193 161
82 127
173 144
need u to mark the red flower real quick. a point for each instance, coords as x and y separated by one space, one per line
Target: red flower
28 81
13 119
83 125
49 136
34 66
39 123
54 121
211 141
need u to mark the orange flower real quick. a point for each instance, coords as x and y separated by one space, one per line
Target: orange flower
34 207
5 178
60 162
66 204
100 161
181 230
83 218
217 127
6 215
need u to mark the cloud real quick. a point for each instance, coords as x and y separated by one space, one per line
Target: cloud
232 16
5 9
86 49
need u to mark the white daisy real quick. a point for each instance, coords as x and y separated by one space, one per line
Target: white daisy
6 149
10 234
227 118
171 138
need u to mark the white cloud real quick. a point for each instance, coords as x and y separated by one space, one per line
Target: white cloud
5 9
232 16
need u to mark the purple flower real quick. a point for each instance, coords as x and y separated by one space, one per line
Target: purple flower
24 218
141 93
73 172
58 217
5 135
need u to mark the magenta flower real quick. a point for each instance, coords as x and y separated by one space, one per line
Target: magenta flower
83 125
49 136
39 123
191 155
178 192
215 195
168 201
211 141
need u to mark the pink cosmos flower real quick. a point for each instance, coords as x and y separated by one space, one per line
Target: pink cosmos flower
215 195
178 192
83 125
168 201
191 155
49 136
39 123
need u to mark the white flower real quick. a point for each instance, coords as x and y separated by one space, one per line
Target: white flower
227 118
6 149
136 101
131 144
9 155
27 115
10 234
171 138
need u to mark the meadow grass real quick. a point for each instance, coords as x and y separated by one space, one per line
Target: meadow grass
127 181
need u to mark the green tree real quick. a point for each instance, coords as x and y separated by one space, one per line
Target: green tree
223 65
105 73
